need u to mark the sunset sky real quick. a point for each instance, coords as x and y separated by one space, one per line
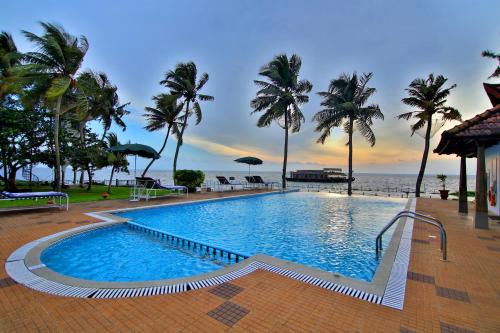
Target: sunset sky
136 42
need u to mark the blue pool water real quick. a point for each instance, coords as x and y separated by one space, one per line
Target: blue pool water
327 231
120 254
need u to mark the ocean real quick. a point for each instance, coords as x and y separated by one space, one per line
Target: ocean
364 182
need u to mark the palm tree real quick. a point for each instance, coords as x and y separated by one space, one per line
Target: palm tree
54 65
428 96
280 97
344 104
9 58
183 83
495 56
104 104
164 114
117 161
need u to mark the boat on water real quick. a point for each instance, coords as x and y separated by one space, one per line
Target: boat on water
327 175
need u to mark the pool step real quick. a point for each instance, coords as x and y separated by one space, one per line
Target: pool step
187 243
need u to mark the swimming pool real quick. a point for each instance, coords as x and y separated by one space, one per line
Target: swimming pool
331 232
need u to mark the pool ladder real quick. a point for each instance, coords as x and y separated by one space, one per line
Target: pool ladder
417 217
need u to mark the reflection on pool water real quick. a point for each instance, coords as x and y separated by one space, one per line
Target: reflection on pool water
327 231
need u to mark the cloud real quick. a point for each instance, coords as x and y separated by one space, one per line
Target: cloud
229 150
333 153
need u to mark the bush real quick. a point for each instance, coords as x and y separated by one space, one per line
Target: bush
189 178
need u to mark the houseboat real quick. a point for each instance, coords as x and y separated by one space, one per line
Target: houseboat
327 175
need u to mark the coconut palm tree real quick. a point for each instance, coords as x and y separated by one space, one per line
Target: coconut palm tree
104 104
280 98
428 96
54 66
344 105
495 56
183 83
9 58
117 161
164 114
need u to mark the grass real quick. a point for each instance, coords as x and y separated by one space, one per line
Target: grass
77 194
469 193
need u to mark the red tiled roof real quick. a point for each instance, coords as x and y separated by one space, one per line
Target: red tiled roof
483 124
461 139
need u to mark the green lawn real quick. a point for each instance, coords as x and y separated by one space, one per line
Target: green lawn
469 193
77 194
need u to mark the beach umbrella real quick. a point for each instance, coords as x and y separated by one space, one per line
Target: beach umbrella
250 161
135 149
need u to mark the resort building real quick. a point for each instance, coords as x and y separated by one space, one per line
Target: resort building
478 137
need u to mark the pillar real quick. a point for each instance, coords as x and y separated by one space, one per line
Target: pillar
463 206
481 214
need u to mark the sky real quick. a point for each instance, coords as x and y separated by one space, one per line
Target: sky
136 42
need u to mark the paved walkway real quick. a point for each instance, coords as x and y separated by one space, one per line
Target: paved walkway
460 295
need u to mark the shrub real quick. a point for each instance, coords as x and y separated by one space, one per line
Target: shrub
189 178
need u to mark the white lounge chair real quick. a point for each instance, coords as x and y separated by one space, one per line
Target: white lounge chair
14 196
148 188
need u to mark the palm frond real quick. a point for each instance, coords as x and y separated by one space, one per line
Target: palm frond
197 112
406 115
365 130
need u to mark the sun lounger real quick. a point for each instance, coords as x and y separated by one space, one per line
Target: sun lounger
257 180
228 183
148 188
11 196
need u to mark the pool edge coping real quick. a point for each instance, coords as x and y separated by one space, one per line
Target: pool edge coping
376 289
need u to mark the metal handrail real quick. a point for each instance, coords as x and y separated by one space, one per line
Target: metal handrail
417 217
432 219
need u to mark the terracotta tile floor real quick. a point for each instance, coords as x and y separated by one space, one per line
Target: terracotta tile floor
273 303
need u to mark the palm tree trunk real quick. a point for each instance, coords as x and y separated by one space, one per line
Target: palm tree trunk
82 140
179 141
349 173
63 176
74 175
285 152
424 157
111 178
89 186
103 136
57 175
159 153
4 167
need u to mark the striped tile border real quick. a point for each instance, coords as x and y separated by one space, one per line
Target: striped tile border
394 295
18 271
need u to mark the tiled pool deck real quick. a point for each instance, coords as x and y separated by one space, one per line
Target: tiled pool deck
460 295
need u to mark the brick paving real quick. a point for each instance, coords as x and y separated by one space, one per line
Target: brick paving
269 302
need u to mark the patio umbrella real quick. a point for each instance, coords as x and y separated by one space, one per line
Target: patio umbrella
135 149
250 161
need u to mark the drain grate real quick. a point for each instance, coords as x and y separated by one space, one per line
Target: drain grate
420 241
455 294
228 313
226 290
486 238
448 328
421 277
493 248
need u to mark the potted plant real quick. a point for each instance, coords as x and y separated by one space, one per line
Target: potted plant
444 192
105 195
